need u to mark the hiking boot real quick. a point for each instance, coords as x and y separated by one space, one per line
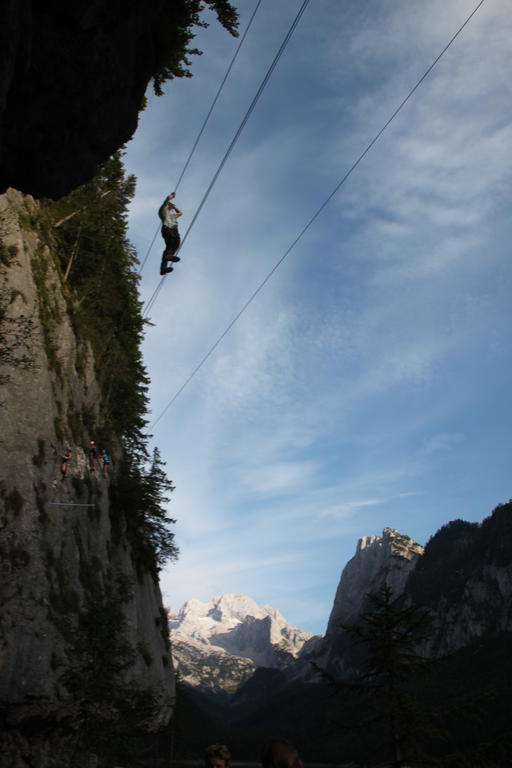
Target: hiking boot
174 258
167 270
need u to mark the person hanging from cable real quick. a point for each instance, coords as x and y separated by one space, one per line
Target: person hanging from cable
169 215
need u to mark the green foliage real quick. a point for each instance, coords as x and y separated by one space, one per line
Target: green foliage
92 247
389 634
175 35
456 552
139 495
495 540
162 621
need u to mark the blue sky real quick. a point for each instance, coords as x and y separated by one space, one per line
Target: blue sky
368 384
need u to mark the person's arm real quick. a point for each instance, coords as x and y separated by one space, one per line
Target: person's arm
178 212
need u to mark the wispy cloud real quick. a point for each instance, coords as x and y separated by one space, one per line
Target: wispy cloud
348 508
360 363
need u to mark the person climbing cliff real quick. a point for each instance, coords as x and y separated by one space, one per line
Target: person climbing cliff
93 455
106 461
169 216
66 460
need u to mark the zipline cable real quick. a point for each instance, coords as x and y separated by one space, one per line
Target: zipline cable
221 86
205 121
154 296
219 90
313 218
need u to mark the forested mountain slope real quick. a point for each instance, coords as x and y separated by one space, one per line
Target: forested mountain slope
452 712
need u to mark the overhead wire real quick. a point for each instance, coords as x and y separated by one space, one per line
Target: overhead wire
203 126
314 217
268 75
221 86
204 123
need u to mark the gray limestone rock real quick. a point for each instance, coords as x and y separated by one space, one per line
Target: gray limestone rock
61 567
388 558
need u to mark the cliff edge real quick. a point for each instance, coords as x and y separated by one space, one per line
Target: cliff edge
85 663
73 78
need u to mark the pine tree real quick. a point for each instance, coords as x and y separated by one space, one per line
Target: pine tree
387 637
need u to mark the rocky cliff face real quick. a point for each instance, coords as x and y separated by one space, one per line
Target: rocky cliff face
219 644
83 635
390 558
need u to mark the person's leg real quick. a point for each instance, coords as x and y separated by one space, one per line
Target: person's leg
168 235
174 240
164 266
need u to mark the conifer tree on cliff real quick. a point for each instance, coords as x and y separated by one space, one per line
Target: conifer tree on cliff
380 697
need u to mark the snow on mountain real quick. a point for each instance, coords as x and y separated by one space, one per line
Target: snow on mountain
219 644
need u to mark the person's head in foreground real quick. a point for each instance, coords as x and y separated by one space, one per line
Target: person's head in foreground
280 753
217 756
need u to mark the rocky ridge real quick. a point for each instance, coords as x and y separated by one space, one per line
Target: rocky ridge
390 558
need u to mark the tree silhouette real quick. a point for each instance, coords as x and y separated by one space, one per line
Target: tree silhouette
380 698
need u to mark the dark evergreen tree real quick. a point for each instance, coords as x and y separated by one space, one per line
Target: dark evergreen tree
177 20
387 635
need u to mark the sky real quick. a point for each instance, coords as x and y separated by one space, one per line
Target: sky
368 383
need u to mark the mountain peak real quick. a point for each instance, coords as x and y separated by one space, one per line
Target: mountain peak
388 558
230 635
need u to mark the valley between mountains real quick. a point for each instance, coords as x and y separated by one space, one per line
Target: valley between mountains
243 672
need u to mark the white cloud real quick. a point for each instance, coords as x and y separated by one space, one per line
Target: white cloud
356 365
442 442
348 508
278 478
